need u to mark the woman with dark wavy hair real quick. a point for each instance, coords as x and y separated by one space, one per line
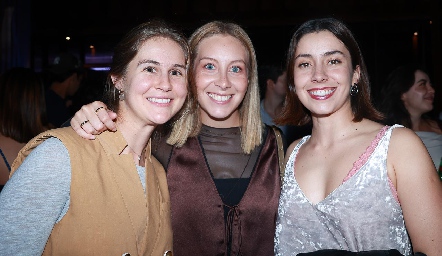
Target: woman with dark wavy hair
354 184
407 99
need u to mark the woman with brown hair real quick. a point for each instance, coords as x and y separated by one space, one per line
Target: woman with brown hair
109 196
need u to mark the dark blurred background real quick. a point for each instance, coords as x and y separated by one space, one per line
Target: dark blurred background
390 32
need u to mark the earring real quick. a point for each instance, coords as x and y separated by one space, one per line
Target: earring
292 88
354 89
120 95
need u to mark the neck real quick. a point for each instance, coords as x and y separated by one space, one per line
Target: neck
232 120
136 139
336 126
60 89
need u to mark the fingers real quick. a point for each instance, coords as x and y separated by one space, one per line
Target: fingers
79 128
92 119
106 118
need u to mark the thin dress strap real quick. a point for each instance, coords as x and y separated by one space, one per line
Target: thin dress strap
6 161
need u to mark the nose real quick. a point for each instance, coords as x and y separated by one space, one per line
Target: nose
430 88
319 75
164 83
222 81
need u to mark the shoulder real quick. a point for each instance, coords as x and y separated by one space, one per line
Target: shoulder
436 126
291 147
402 136
405 140
407 151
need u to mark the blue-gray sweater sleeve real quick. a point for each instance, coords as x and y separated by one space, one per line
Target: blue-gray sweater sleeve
34 199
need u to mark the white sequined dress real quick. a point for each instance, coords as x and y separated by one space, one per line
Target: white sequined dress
362 214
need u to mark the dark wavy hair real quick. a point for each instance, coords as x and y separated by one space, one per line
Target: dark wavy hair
22 104
294 113
397 83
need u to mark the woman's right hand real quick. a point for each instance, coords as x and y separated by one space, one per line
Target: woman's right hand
93 119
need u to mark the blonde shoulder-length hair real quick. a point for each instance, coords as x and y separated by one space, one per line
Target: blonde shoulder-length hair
189 125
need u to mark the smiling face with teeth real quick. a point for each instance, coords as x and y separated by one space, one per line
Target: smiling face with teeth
221 79
155 83
323 73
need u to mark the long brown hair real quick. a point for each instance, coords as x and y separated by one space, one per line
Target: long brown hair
22 104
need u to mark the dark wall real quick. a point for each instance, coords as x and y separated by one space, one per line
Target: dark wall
384 28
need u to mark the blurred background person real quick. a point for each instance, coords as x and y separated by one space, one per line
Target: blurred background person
407 98
273 87
63 79
22 114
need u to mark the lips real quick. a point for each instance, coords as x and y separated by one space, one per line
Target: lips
321 94
430 98
218 97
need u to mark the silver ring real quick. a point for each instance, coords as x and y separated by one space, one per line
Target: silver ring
84 122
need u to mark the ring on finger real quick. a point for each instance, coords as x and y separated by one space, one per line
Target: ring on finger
98 109
83 123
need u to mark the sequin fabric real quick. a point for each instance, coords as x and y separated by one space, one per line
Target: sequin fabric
361 214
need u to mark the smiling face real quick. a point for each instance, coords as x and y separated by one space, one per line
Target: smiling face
323 73
155 83
419 98
221 79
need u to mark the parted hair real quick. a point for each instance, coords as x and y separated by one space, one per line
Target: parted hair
251 124
128 47
294 112
22 104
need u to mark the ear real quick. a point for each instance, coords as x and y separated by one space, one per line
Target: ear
117 82
356 75
403 96
270 83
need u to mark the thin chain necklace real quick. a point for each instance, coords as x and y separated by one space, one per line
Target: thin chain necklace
138 156
235 185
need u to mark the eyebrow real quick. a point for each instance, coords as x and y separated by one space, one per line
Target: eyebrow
158 63
212 59
324 54
422 80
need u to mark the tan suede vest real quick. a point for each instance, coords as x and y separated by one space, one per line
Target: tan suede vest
109 213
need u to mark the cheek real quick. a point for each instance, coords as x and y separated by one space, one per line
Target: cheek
202 80
139 83
241 84
299 81
180 88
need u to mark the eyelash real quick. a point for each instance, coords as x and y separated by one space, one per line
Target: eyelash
150 69
237 68
174 72
335 61
209 64
332 62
